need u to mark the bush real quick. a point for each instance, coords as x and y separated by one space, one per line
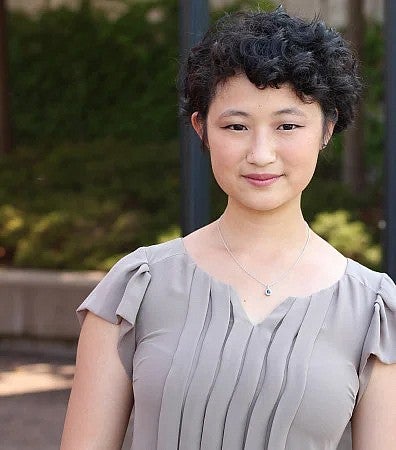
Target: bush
70 240
350 237
13 227
78 76
83 206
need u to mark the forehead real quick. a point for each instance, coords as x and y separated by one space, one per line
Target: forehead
239 93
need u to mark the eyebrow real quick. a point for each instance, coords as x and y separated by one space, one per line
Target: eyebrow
233 112
293 111
236 112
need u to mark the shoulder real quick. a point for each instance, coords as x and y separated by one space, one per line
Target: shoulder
356 276
157 253
152 254
378 283
330 265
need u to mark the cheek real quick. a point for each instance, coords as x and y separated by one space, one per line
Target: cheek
304 155
304 160
221 163
224 154
224 167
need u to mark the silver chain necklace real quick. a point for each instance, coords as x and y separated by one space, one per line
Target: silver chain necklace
267 286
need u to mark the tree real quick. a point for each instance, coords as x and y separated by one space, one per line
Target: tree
353 157
5 123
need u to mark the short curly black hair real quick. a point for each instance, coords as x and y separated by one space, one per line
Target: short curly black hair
273 48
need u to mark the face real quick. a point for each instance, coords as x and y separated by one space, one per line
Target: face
263 143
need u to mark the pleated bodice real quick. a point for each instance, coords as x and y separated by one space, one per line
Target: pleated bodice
206 377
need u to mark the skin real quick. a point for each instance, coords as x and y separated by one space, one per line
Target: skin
101 398
374 419
257 222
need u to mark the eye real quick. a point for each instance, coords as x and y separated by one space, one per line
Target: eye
288 126
236 127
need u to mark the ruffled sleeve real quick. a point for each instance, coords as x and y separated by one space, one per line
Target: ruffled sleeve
381 335
117 299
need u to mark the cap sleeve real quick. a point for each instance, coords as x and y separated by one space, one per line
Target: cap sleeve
117 299
381 335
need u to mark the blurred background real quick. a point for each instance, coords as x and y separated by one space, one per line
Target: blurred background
90 170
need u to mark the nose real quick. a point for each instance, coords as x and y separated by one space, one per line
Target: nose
262 149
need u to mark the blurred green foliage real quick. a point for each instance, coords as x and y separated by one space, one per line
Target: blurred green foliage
96 169
350 237
82 206
78 76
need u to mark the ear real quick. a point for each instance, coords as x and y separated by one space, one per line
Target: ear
328 132
197 124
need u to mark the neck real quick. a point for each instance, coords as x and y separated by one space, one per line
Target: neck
263 231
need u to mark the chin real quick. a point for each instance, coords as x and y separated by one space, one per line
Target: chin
265 205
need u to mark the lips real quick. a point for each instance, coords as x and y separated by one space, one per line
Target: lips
262 180
262 176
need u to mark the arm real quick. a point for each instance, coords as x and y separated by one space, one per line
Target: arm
374 420
101 398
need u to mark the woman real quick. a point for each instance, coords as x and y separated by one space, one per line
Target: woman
252 332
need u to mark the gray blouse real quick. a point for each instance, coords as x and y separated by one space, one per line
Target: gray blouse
205 377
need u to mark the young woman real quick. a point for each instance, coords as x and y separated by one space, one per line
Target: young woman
252 332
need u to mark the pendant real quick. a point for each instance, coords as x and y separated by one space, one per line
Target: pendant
268 291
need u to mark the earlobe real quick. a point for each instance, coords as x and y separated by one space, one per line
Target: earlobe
197 124
328 134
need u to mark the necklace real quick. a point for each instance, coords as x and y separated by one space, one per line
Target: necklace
267 286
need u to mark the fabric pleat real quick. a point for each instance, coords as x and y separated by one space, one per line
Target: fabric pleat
298 364
245 391
205 374
276 365
176 385
224 384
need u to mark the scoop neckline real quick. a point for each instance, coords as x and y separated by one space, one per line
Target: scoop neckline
284 303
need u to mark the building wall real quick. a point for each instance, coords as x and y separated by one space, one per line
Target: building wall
333 11
113 7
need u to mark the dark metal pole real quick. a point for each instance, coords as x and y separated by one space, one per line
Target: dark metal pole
194 20
5 124
390 158
353 170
